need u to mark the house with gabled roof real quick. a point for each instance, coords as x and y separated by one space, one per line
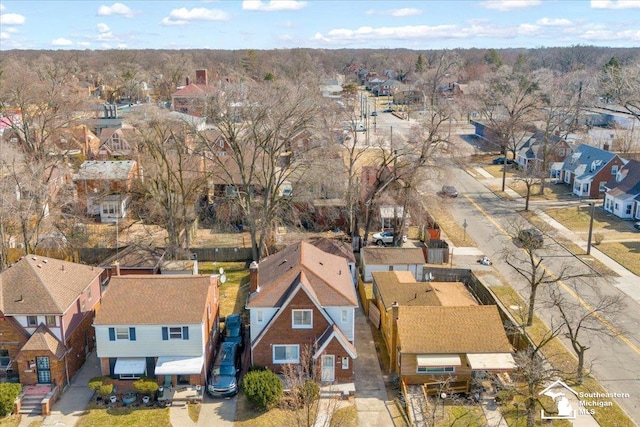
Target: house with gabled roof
118 143
163 327
302 300
534 152
192 98
47 308
340 248
622 197
588 169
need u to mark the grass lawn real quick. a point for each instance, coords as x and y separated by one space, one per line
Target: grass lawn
10 421
626 254
233 293
248 416
345 417
460 415
454 231
496 170
124 417
562 359
194 411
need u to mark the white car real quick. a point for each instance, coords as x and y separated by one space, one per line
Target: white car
385 238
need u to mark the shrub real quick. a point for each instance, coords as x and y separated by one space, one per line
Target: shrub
146 385
309 392
8 394
263 388
102 386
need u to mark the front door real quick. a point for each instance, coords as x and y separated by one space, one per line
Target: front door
44 370
328 373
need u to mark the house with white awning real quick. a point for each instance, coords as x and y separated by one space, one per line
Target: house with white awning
158 326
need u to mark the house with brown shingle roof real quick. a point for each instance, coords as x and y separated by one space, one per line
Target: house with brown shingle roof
374 258
47 309
340 248
416 347
164 327
303 299
622 197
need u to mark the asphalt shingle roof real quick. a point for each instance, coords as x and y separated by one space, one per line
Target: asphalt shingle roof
154 299
39 285
43 339
375 255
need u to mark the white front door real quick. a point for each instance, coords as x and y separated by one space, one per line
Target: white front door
328 373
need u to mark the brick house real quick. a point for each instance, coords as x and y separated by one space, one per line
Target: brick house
47 310
164 327
192 98
589 169
302 299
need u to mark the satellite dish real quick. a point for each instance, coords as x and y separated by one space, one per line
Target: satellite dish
223 278
221 270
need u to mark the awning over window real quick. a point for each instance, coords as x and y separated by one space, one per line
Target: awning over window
491 361
438 360
130 366
179 365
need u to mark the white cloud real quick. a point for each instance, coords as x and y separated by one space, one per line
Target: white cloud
116 9
548 22
183 16
11 30
613 4
507 5
1 7
4 35
343 35
273 5
84 44
11 19
61 42
102 27
407 11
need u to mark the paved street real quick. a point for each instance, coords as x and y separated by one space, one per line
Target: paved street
614 361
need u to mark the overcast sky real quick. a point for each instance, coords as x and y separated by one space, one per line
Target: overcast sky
227 24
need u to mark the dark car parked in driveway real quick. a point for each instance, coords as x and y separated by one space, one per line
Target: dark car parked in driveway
501 160
234 330
223 380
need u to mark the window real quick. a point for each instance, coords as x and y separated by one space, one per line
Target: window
628 210
83 306
345 363
601 186
302 319
286 353
345 316
50 320
441 370
122 333
259 316
614 169
32 320
175 333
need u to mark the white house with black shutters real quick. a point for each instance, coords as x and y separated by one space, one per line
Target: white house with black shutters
164 327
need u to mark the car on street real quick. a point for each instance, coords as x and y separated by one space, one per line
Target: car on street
501 160
223 381
531 238
449 191
388 110
385 238
375 113
233 330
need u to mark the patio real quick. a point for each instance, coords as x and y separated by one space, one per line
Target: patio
182 393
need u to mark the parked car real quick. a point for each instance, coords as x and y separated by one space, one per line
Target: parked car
501 160
234 330
531 238
449 191
373 114
385 238
223 380
637 225
388 110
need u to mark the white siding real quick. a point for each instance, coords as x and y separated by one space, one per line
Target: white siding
416 269
348 327
41 319
256 326
149 342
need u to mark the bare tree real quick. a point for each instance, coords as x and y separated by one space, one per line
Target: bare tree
578 320
621 83
527 262
260 126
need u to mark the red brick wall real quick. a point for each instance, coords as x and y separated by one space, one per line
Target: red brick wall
341 375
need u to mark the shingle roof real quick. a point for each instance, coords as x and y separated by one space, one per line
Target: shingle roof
335 247
136 257
629 186
324 275
114 170
194 89
376 255
154 299
433 330
580 161
401 287
39 285
43 339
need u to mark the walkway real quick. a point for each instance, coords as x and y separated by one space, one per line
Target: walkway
371 394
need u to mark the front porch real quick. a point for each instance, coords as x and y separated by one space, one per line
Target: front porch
181 393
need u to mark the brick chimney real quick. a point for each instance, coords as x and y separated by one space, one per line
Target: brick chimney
201 77
253 278
188 81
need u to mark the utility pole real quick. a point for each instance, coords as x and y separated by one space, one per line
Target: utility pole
593 208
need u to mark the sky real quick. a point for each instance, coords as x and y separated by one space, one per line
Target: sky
327 24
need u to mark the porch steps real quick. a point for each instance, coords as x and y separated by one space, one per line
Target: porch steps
31 404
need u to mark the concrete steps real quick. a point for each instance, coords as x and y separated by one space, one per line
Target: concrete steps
31 404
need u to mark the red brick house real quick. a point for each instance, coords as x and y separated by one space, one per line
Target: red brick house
192 98
302 299
589 169
46 312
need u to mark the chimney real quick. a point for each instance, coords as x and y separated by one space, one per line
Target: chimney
188 81
116 267
253 278
201 77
